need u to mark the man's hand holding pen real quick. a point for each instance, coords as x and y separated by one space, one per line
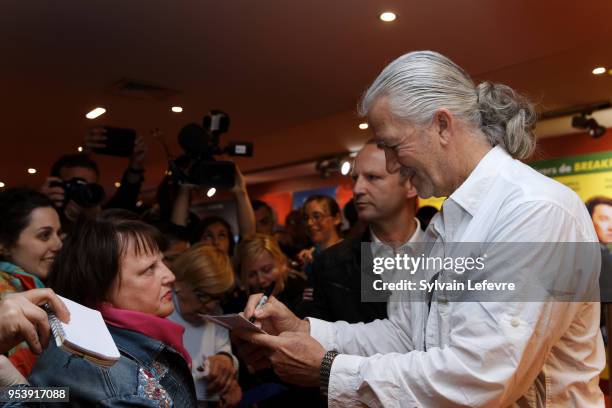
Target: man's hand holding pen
288 348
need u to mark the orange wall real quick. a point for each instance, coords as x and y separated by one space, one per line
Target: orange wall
279 193
572 145
281 202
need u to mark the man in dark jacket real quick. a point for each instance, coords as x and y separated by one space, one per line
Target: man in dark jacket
387 204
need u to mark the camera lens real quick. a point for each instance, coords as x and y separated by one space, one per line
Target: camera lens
84 194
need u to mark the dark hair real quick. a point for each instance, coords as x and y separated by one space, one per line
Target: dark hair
332 205
120 214
16 206
74 160
595 201
207 222
257 204
350 212
90 258
172 233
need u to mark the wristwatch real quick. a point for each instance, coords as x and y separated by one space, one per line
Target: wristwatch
325 370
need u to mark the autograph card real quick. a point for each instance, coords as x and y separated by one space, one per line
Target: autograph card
234 321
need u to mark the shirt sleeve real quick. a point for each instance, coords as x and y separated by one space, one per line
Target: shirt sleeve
466 372
363 339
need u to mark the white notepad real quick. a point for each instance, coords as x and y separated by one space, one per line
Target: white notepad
85 335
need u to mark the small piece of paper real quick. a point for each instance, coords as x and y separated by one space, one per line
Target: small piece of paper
234 321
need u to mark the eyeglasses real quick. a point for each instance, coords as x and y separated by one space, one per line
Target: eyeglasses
315 217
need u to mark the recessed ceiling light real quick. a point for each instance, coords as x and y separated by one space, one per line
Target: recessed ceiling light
363 126
117 184
388 16
95 113
346 167
1 184
211 192
80 148
177 109
599 71
32 170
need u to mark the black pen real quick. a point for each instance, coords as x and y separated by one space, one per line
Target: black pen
264 299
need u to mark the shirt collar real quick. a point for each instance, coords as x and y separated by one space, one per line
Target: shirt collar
472 191
417 235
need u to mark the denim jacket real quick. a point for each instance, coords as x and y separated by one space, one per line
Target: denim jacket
148 374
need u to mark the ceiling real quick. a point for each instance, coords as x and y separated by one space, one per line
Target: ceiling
288 72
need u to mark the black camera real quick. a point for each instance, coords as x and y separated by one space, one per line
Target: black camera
85 194
582 121
200 144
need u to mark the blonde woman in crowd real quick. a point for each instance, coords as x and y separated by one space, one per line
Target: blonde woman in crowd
203 276
262 264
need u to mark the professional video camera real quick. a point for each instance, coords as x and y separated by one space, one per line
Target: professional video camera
201 143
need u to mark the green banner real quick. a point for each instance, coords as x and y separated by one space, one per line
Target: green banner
590 176
574 165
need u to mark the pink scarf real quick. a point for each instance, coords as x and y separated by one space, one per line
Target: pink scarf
150 325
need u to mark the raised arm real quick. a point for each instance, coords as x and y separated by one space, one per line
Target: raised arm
180 207
246 216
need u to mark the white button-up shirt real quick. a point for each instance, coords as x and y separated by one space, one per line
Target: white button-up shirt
485 354
381 249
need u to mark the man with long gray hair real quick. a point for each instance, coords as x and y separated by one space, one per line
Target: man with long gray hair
455 139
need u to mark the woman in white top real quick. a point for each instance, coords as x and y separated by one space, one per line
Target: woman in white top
203 275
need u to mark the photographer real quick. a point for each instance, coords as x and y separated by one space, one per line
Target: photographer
73 183
198 168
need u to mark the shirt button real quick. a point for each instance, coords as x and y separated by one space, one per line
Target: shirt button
515 322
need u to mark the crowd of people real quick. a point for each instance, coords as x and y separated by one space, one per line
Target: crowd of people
155 273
